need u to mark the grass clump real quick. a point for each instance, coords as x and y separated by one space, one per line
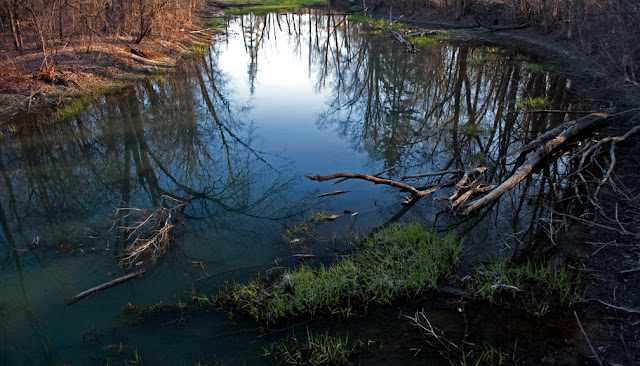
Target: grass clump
401 261
321 349
298 234
542 284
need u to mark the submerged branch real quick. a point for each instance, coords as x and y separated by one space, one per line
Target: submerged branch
103 286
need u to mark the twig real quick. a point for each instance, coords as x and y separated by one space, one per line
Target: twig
434 174
334 193
375 175
628 310
587 338
624 344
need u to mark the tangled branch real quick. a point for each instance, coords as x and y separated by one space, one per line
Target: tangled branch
150 236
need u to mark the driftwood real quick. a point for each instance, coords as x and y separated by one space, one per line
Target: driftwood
105 285
469 183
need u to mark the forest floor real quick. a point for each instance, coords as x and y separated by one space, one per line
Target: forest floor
87 68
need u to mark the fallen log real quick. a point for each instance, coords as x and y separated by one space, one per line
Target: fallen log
105 285
536 158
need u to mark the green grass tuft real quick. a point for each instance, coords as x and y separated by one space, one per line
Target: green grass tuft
401 261
321 349
540 284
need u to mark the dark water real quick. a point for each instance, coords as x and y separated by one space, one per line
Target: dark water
233 133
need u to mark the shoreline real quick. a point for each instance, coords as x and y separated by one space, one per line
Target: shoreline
103 68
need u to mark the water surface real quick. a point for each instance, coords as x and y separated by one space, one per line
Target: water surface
232 134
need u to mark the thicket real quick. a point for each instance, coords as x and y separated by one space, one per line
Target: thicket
47 24
607 27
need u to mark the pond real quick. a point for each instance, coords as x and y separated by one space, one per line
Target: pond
230 137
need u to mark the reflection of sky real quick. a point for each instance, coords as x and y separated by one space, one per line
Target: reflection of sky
285 103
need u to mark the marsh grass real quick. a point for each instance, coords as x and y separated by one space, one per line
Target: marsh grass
486 354
402 261
318 349
538 285
538 69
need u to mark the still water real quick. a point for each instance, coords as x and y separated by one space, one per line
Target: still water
232 134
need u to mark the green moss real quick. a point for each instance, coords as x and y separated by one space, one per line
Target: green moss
538 69
399 262
522 58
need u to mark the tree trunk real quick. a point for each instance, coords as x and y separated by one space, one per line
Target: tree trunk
15 26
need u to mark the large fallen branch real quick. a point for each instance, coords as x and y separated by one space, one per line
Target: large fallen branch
469 184
536 158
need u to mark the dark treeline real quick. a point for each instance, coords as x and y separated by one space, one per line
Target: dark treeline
46 24
609 27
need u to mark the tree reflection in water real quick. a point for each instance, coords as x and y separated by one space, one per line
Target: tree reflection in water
451 106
